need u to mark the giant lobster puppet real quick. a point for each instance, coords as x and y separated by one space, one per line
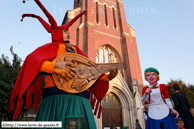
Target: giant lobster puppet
30 78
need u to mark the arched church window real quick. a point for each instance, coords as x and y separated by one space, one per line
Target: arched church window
101 56
110 101
97 59
106 54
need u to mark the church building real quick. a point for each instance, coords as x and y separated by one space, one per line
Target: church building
104 35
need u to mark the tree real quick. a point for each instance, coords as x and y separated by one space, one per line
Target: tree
191 94
8 75
187 90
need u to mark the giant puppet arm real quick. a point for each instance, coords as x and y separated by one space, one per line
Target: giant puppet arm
64 69
145 94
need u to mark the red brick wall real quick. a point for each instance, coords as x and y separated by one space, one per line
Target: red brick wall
98 34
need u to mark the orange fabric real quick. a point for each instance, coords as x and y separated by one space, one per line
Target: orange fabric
104 78
48 80
48 66
61 49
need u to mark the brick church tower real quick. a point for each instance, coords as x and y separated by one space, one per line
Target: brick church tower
105 24
105 36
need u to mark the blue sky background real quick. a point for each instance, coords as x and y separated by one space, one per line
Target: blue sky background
164 32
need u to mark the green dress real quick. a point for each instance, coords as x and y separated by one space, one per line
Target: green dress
57 105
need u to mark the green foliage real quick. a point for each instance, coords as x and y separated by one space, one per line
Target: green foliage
187 90
190 95
8 75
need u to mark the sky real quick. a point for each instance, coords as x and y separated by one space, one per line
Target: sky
164 32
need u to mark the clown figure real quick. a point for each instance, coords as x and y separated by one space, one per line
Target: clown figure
160 113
